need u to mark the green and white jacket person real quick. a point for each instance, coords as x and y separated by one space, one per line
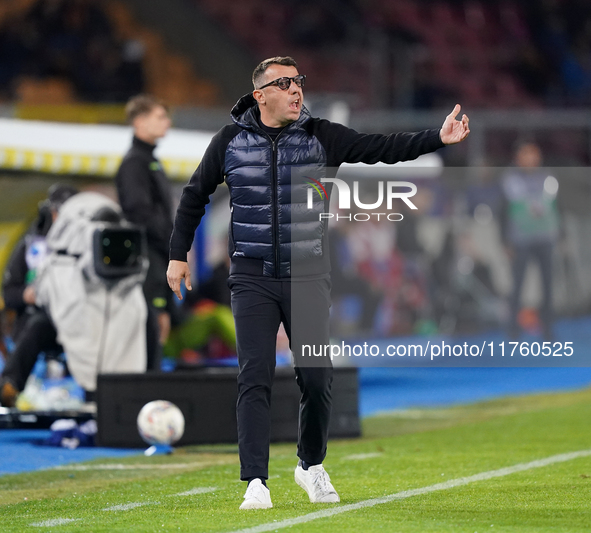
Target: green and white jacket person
531 214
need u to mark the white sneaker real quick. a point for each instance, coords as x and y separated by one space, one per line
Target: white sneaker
257 496
316 482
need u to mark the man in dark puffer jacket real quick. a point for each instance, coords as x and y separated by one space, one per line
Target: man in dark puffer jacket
278 248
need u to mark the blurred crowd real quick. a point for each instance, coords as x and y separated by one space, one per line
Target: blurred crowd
426 53
409 53
73 40
555 57
458 263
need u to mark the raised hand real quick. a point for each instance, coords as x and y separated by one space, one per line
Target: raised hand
454 131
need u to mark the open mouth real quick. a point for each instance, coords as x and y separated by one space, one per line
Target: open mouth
295 105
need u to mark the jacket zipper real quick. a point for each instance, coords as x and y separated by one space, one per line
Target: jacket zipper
231 222
275 211
275 206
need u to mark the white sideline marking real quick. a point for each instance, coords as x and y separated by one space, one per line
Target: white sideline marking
124 507
128 506
197 490
55 522
81 468
361 456
417 414
415 492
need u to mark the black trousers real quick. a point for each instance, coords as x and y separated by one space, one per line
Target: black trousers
259 307
38 335
542 253
158 298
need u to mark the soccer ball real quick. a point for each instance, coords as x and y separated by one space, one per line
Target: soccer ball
160 422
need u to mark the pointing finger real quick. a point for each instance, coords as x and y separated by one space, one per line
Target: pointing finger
177 290
175 286
455 111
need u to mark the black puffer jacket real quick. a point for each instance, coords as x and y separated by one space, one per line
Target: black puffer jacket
272 232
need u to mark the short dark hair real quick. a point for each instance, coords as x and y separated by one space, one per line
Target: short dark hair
262 67
140 104
524 140
58 193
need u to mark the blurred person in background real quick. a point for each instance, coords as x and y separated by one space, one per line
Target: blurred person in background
33 330
91 285
530 228
145 195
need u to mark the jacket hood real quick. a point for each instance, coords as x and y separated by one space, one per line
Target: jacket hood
245 112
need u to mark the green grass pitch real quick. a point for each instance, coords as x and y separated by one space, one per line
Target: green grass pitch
197 489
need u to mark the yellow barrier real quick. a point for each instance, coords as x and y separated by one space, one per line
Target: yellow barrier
10 233
63 163
76 113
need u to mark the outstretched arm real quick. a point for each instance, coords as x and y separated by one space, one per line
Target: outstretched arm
344 145
454 131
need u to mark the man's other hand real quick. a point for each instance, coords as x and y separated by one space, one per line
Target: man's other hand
163 326
454 131
177 270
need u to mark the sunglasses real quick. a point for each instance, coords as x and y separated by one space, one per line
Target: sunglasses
284 83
